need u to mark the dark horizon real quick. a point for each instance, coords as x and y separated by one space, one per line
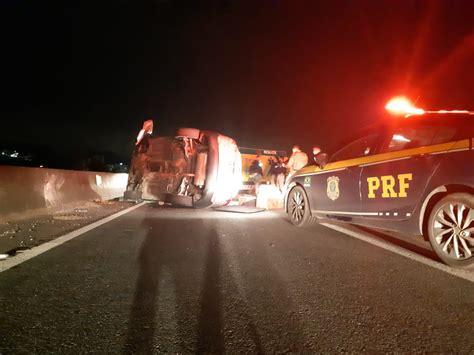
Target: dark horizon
84 76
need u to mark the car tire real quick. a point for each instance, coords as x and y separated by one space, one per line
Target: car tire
298 208
188 133
451 230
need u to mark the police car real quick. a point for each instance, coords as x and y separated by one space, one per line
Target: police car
412 174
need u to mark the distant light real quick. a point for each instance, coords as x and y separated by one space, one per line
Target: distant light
41 166
402 106
14 155
121 164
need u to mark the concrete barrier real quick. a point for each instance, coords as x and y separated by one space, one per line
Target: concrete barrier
23 190
269 197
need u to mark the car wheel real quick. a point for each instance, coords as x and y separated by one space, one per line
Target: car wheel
451 230
188 132
298 208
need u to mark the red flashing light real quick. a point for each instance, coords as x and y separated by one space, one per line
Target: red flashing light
401 106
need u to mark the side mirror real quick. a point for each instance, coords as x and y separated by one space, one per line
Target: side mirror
321 160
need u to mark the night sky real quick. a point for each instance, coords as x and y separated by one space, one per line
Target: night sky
84 75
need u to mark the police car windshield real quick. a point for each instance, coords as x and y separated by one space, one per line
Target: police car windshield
359 144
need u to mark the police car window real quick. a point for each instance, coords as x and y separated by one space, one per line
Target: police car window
409 137
444 135
358 148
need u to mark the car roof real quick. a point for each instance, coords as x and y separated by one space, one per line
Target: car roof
453 115
388 122
437 118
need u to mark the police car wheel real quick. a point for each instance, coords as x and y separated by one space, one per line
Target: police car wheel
298 207
451 230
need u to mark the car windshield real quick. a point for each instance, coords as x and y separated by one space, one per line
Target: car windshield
357 148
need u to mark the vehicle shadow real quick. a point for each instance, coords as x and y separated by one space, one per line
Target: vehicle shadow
405 244
264 290
188 253
427 253
209 337
182 259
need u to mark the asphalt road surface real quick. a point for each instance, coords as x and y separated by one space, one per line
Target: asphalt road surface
177 280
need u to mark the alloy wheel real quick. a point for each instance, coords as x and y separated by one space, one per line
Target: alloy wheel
453 230
297 206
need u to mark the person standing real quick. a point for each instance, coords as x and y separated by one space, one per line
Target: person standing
272 171
256 173
316 151
298 160
280 171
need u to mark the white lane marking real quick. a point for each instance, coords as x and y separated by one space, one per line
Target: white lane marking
348 213
464 274
40 249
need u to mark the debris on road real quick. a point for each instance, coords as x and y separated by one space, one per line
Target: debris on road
10 232
240 209
68 217
30 232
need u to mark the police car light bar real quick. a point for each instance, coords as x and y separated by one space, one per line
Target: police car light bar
452 111
401 106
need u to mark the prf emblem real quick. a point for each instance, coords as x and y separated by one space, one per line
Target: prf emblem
307 181
333 187
390 186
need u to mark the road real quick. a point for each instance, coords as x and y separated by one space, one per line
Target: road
177 280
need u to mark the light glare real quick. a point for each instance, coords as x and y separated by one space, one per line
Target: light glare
402 106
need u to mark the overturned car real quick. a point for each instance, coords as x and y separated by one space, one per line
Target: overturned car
194 169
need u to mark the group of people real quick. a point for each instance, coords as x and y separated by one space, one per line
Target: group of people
281 169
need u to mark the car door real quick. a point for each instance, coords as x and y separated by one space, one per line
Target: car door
392 186
335 189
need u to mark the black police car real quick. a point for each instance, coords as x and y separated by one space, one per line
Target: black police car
413 175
